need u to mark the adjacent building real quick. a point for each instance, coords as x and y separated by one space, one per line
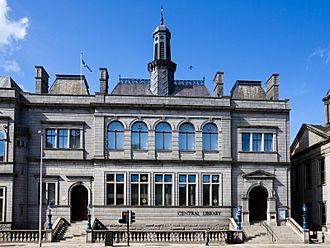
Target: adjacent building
167 149
310 157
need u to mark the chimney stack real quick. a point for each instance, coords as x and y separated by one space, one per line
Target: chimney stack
326 103
272 87
104 78
41 80
218 84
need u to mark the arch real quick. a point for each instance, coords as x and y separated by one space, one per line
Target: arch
163 134
139 136
186 137
210 137
115 136
258 196
130 126
78 202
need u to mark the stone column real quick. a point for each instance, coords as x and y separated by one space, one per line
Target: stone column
198 145
151 144
127 144
175 144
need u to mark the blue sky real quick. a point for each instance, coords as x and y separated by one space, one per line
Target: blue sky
245 39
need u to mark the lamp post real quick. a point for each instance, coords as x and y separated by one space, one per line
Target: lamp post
89 225
304 216
238 217
49 225
40 186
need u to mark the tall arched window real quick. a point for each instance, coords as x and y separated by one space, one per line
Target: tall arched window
210 137
163 137
2 146
139 136
186 137
156 51
115 136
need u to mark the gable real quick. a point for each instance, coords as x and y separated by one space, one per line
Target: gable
307 139
259 174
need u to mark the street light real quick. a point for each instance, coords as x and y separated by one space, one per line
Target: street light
40 185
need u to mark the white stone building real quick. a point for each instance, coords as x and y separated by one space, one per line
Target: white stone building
167 149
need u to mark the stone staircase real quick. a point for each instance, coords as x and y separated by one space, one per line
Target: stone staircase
75 233
257 233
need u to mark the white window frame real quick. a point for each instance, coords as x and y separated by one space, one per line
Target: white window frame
3 204
115 188
139 188
211 185
68 130
262 144
163 183
187 183
47 192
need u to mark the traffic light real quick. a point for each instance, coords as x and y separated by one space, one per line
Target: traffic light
124 218
132 219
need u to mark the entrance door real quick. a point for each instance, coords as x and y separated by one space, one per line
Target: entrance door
79 201
258 204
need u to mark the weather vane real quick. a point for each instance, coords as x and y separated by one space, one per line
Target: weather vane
161 15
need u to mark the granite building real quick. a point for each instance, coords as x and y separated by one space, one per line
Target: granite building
167 149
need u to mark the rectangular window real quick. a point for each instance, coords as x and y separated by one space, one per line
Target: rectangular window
268 142
322 171
245 142
256 142
139 189
62 138
2 204
163 189
115 189
187 190
75 138
323 213
50 138
307 176
211 190
48 193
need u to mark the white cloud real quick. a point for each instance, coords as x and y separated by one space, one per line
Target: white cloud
11 66
11 30
323 53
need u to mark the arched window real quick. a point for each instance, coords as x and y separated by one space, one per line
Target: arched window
156 51
163 137
210 137
186 137
2 146
162 50
115 136
139 136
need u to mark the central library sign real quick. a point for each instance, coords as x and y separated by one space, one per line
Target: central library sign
198 213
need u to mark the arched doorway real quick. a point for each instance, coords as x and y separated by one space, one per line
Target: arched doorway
258 204
79 201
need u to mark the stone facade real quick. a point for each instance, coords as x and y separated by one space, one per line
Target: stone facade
87 163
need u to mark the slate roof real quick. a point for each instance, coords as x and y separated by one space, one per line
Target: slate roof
248 90
69 85
193 88
8 82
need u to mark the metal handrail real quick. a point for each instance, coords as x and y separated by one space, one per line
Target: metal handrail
269 231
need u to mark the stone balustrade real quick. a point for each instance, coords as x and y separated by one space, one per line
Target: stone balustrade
10 236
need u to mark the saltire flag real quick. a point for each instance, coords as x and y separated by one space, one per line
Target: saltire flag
83 64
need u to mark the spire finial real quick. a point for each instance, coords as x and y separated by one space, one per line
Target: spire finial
161 15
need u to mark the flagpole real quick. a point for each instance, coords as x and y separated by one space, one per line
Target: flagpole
81 67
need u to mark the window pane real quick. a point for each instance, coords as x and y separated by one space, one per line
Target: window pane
44 198
110 177
215 194
2 150
1 192
134 178
168 178
168 194
2 135
134 194
115 126
159 141
135 141
74 138
182 194
182 142
210 137
144 141
191 178
268 142
245 142
144 194
120 140
115 135
111 141
62 138
256 142
110 194
51 193
50 138
120 194
163 136
206 195
158 194
206 179
215 178
190 142
144 177
158 178
182 178
120 178
186 137
167 141
191 195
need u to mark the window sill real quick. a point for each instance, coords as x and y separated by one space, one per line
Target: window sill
63 149
116 150
138 150
210 151
164 151
261 152
187 151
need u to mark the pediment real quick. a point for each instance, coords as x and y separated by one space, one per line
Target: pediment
259 174
307 137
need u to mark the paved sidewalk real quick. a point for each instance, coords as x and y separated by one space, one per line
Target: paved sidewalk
162 245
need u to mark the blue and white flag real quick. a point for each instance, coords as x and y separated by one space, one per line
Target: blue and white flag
83 64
